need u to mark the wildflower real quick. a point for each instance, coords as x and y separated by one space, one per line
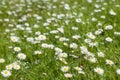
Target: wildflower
2 60
37 52
109 62
58 50
78 68
73 45
101 54
116 33
16 67
67 7
30 39
108 39
14 38
81 72
63 39
6 73
9 67
44 45
64 55
99 70
66 44
109 27
41 37
68 75
17 49
118 71
92 59
76 37
98 32
112 12
93 44
84 50
87 40
65 68
21 56
90 1
61 30
74 28
91 36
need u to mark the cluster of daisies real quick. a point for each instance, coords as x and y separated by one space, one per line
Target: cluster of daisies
55 33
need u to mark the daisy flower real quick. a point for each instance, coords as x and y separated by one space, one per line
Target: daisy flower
65 68
21 56
6 73
2 60
109 62
118 71
108 39
99 70
17 49
68 75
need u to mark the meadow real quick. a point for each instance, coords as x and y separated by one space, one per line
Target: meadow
59 39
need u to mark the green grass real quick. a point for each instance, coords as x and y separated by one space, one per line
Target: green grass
48 67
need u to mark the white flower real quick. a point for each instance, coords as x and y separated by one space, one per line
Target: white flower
66 44
109 62
14 38
15 63
93 44
76 37
92 59
74 28
16 67
78 20
90 1
6 73
9 67
68 75
60 29
64 55
94 19
58 50
44 45
65 68
17 49
63 39
112 12
36 26
37 33
103 16
73 45
21 56
108 39
118 71
30 39
41 37
67 7
116 33
54 32
101 54
87 40
37 52
99 70
109 27
84 50
81 72
63 60
2 60
78 68
51 46
98 32
91 36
